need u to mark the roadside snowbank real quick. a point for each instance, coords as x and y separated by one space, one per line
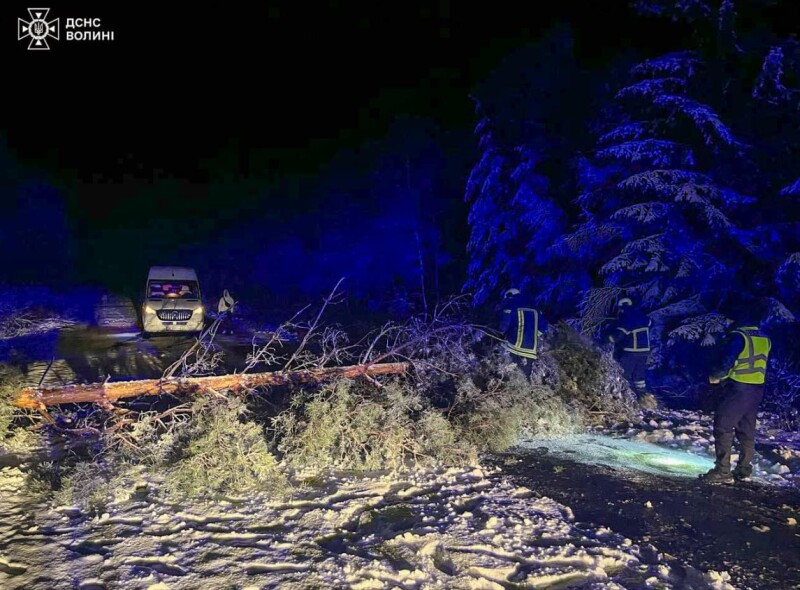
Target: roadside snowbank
460 528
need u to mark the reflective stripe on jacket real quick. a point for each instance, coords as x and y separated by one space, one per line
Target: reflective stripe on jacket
636 340
524 340
631 331
751 364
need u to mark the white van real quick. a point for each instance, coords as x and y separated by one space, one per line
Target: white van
172 301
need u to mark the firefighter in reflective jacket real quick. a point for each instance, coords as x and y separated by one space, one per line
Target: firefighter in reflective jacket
630 336
523 328
741 374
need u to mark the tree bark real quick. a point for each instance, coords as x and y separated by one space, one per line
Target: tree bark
102 393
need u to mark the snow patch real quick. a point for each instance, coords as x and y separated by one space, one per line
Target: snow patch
468 528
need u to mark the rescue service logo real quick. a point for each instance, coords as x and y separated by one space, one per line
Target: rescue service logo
38 29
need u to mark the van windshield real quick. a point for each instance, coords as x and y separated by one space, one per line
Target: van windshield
172 290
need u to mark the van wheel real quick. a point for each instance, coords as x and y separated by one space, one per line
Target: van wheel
145 335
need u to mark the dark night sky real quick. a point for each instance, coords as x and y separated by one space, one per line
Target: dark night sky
197 94
298 79
211 113
272 91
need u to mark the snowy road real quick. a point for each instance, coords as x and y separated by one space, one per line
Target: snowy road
641 518
85 355
459 529
745 529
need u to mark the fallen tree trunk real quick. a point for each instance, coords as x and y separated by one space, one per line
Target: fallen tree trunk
103 393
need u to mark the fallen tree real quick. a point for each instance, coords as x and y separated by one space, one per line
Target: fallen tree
437 346
109 392
338 405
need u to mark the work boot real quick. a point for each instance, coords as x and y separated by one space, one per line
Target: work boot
742 472
717 475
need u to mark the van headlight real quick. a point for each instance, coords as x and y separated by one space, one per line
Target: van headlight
148 309
200 310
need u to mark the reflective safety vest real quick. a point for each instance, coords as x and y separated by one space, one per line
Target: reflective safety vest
637 340
526 343
751 364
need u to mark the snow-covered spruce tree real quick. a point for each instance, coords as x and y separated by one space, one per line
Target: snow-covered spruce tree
531 112
752 76
661 215
776 121
513 220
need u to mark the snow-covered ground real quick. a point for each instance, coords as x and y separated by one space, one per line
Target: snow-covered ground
460 528
624 454
116 313
777 458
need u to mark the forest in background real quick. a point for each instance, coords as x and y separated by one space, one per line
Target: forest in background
672 178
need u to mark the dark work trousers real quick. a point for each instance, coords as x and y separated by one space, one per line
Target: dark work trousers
525 364
634 365
736 413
